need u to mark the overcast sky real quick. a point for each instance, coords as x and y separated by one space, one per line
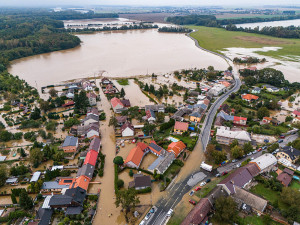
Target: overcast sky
239 3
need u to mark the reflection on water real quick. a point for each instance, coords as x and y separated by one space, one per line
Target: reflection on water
119 53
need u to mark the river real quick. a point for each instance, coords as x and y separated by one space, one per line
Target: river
283 23
118 53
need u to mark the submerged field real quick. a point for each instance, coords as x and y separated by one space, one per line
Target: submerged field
217 39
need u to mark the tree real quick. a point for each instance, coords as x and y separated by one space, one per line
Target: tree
25 200
118 160
3 174
44 105
36 156
36 114
210 68
131 173
160 117
13 199
234 143
247 148
81 102
237 152
146 88
262 112
120 183
149 128
225 214
113 121
53 92
229 68
122 93
128 200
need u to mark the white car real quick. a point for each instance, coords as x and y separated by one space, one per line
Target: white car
147 217
202 184
238 165
170 212
142 222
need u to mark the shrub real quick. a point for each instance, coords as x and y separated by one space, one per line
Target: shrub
120 183
143 191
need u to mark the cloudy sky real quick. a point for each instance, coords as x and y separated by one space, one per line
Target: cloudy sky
239 3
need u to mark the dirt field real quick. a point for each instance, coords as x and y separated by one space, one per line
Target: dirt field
149 17
261 40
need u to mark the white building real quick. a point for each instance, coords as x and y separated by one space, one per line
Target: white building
127 130
265 162
226 136
217 89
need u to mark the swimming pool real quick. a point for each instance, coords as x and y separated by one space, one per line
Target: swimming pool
173 139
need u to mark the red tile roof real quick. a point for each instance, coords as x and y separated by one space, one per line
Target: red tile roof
249 97
91 95
238 118
284 178
297 113
198 214
142 145
176 147
82 182
91 158
181 126
135 155
115 101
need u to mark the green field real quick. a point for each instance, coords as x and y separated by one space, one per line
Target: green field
295 184
217 39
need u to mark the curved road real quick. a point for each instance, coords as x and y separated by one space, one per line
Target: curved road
177 190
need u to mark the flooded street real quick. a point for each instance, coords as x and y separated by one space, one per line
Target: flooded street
119 53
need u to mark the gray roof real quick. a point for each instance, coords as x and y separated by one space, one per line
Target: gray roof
155 108
95 144
142 181
53 185
292 152
70 141
45 216
91 116
86 170
74 210
12 180
196 114
78 194
60 200
166 162
35 176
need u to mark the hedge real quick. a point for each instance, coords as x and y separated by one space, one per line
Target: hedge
143 191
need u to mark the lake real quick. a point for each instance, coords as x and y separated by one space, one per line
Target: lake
116 54
283 23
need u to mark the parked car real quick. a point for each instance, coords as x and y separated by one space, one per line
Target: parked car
250 153
252 158
280 141
265 147
197 188
259 149
153 209
234 160
170 212
282 136
202 184
224 173
208 180
147 217
142 222
218 175
191 193
192 202
238 165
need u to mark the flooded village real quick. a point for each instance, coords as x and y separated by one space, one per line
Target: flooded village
107 135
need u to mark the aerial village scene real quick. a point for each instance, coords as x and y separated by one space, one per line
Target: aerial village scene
190 146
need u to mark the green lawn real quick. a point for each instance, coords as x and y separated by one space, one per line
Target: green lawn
123 82
295 184
267 193
254 220
217 39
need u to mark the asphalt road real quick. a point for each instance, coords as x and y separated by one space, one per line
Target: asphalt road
288 139
176 191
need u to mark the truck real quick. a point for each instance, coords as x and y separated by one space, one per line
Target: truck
206 167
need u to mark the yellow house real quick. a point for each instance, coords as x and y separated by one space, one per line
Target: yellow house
289 153
180 127
195 117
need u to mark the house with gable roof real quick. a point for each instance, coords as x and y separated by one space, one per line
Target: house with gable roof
127 130
117 105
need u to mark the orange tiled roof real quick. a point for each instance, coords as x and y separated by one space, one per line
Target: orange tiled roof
82 182
135 155
181 126
115 101
176 147
249 97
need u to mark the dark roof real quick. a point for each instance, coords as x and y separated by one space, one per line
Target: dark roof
253 169
239 178
121 119
225 108
95 144
292 152
284 178
142 181
45 216
74 210
126 102
86 170
83 154
155 147
125 125
91 116
60 200
70 141
78 194
288 171
219 121
216 193
198 214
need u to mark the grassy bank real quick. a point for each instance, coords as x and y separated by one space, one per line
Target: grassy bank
217 39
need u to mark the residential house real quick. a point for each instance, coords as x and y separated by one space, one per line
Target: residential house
135 157
126 103
225 83
95 145
255 90
127 130
87 85
176 148
225 108
219 122
296 113
270 88
73 197
12 180
70 144
91 118
44 216
195 116
296 120
93 111
266 120
53 186
253 169
35 177
180 127
226 136
181 112
217 89
68 103
156 149
92 97
91 158
162 163
92 132
240 178
117 105
284 178
150 115
256 203
86 170
289 153
110 89
249 97
155 108
275 121
140 182
265 162
237 120
121 120
105 81
82 182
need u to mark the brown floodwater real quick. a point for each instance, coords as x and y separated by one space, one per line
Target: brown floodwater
119 54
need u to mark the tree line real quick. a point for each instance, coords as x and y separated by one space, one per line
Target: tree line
174 29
